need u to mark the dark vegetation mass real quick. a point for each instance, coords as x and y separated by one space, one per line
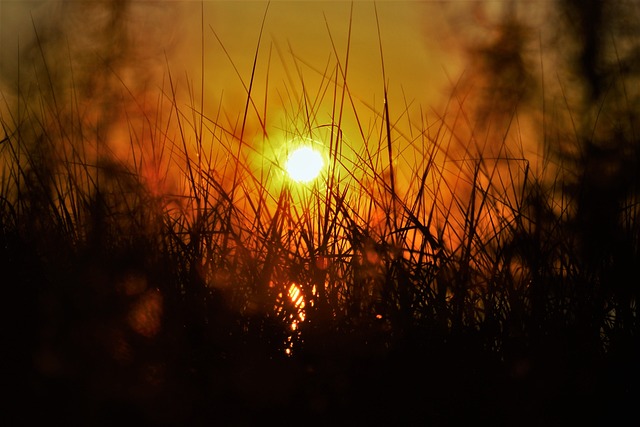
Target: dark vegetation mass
489 287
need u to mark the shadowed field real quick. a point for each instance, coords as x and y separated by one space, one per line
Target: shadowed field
469 252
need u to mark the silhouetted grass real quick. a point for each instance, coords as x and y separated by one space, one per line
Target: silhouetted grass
427 277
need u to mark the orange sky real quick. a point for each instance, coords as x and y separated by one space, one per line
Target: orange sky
423 47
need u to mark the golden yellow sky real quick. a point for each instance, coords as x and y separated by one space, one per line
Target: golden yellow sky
416 41
418 38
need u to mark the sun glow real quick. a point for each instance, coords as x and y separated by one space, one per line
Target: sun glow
304 164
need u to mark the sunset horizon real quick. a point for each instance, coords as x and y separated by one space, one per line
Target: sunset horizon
324 212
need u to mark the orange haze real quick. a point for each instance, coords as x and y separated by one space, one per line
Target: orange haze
132 66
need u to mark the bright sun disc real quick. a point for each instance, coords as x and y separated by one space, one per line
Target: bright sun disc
304 164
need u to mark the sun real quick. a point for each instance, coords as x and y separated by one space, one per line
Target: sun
304 164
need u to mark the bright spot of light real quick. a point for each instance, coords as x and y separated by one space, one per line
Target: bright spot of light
304 164
296 296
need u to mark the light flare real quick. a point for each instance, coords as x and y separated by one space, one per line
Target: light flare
294 293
